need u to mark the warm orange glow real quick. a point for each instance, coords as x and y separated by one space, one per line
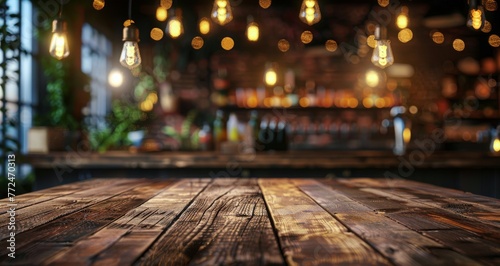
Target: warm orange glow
265 3
98 4
252 102
306 37
204 26
156 34
304 102
406 135
161 13
458 45
331 46
283 45
368 102
197 42
227 43
494 40
405 35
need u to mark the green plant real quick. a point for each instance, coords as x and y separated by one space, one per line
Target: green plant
59 96
186 135
124 117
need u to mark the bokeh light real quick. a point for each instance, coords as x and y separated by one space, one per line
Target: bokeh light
227 43
197 42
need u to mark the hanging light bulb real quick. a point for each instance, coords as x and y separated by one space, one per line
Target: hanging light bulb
161 13
271 77
130 56
252 30
476 18
204 25
59 43
309 12
382 53
495 141
221 12
174 26
402 19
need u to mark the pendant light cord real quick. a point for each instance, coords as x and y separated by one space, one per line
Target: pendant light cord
60 8
129 9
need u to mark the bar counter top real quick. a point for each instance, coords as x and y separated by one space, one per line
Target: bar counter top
287 159
250 221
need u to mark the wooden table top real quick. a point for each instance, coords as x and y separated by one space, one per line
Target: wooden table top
253 222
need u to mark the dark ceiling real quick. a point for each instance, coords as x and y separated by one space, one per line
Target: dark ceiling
341 20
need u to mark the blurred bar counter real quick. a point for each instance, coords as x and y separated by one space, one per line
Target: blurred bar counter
475 172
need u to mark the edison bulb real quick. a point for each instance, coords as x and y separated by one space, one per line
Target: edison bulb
476 18
130 56
271 77
309 12
402 19
204 26
175 28
161 13
221 12
382 54
253 31
59 45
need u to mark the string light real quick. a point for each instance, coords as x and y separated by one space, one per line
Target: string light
59 47
437 37
405 35
156 34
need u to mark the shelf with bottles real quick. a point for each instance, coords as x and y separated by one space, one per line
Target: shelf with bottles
264 99
471 92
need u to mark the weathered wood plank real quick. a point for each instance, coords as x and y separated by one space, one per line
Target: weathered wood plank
40 196
69 228
401 245
308 234
156 214
226 224
424 218
433 211
466 243
473 206
38 214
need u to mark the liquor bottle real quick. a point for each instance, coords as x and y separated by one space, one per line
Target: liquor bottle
220 130
232 128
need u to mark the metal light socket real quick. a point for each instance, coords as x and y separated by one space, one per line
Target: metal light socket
59 25
131 33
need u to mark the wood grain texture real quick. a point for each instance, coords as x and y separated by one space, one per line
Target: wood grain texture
308 234
253 222
33 245
227 224
473 206
38 214
145 222
401 245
